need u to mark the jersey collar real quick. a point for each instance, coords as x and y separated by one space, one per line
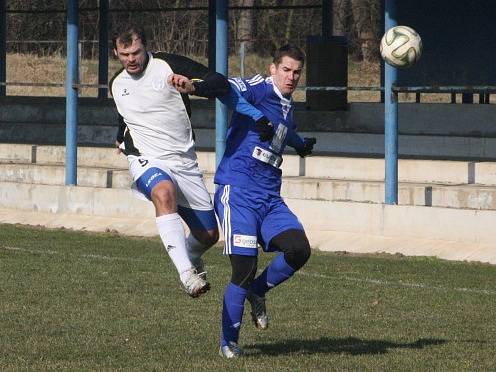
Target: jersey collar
278 92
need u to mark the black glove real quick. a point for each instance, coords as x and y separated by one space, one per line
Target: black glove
265 129
307 146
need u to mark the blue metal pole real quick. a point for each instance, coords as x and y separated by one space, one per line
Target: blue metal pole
3 46
221 11
103 47
71 100
390 116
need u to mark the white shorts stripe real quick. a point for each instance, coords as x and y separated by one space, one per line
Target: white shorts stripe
226 223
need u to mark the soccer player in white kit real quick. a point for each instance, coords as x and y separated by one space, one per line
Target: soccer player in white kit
151 95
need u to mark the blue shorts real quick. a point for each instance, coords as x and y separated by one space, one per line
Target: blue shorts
249 218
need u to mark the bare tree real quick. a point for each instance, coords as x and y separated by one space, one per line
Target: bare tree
366 17
340 17
245 25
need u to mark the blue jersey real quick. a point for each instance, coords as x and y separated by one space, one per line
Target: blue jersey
249 162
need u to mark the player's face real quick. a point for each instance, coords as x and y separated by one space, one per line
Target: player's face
286 74
132 56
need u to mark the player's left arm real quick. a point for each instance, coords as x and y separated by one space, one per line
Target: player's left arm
303 146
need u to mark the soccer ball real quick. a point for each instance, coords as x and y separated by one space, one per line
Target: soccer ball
401 46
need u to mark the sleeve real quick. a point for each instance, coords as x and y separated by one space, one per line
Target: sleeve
295 140
207 83
120 131
111 82
121 124
237 102
253 89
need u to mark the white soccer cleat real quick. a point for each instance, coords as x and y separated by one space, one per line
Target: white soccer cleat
232 350
258 310
195 285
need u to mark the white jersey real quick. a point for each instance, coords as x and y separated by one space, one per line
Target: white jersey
154 112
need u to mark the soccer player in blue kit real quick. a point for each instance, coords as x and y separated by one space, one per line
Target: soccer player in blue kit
248 201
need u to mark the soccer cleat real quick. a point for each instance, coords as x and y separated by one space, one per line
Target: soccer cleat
200 268
258 310
231 350
195 285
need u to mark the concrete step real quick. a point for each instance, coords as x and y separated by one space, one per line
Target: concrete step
53 174
333 167
302 188
460 234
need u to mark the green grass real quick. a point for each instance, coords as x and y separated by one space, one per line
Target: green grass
80 301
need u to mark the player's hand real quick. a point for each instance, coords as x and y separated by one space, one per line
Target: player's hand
265 129
118 147
121 148
181 83
308 143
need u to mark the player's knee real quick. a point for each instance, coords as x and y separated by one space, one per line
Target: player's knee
207 237
163 196
296 248
244 269
299 255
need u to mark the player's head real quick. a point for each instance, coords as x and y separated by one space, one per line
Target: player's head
130 48
286 68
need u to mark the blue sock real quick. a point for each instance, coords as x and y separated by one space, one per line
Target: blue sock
276 273
232 313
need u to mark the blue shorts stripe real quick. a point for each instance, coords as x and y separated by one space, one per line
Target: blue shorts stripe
149 179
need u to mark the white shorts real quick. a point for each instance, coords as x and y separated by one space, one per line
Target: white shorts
184 173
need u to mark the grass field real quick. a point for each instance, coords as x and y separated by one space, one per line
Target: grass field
80 301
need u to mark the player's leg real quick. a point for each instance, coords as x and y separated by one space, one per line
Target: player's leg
203 234
239 224
294 251
244 269
195 207
281 232
157 184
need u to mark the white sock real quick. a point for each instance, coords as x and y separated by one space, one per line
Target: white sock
171 231
195 248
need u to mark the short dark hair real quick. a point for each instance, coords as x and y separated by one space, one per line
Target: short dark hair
126 33
288 50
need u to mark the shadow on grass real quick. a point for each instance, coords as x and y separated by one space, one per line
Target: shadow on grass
350 345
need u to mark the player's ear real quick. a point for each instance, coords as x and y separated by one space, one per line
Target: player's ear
272 69
115 52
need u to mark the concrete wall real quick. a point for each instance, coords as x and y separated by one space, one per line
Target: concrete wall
433 130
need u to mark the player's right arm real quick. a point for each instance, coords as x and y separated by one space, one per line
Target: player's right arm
123 139
194 78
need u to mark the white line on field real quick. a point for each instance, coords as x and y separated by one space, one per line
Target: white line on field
26 250
95 256
398 284
301 272
99 257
